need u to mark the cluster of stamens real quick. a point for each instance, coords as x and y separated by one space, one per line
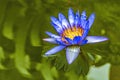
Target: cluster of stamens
72 32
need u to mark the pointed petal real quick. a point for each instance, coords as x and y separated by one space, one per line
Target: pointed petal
59 17
51 40
86 26
83 15
95 39
64 21
77 19
77 39
83 19
71 17
86 30
52 35
85 33
54 50
72 53
57 28
56 21
91 19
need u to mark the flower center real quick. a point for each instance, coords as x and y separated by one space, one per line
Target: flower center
72 32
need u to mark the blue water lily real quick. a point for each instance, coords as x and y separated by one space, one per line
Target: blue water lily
72 34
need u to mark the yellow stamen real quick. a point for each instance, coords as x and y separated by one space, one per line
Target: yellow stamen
72 32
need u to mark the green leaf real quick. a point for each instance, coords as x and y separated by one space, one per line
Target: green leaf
2 58
34 34
3 5
20 40
45 70
71 76
10 17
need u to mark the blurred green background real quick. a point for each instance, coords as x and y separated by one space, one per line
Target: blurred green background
22 27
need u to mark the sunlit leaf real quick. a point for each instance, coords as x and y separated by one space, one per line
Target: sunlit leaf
20 39
10 17
35 37
2 58
45 70
54 72
73 77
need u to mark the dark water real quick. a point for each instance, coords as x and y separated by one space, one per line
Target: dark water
22 27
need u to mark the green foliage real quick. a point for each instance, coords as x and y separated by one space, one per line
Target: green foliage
2 58
22 27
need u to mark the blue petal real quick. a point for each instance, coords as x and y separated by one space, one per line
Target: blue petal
57 28
51 40
71 17
91 19
56 21
83 15
85 33
72 53
95 39
69 40
86 30
64 21
59 17
77 39
86 26
77 19
84 42
54 50
60 42
83 19
52 35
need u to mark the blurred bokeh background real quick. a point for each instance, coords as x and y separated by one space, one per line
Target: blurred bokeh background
22 27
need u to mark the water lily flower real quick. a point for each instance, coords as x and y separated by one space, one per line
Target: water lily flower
72 34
